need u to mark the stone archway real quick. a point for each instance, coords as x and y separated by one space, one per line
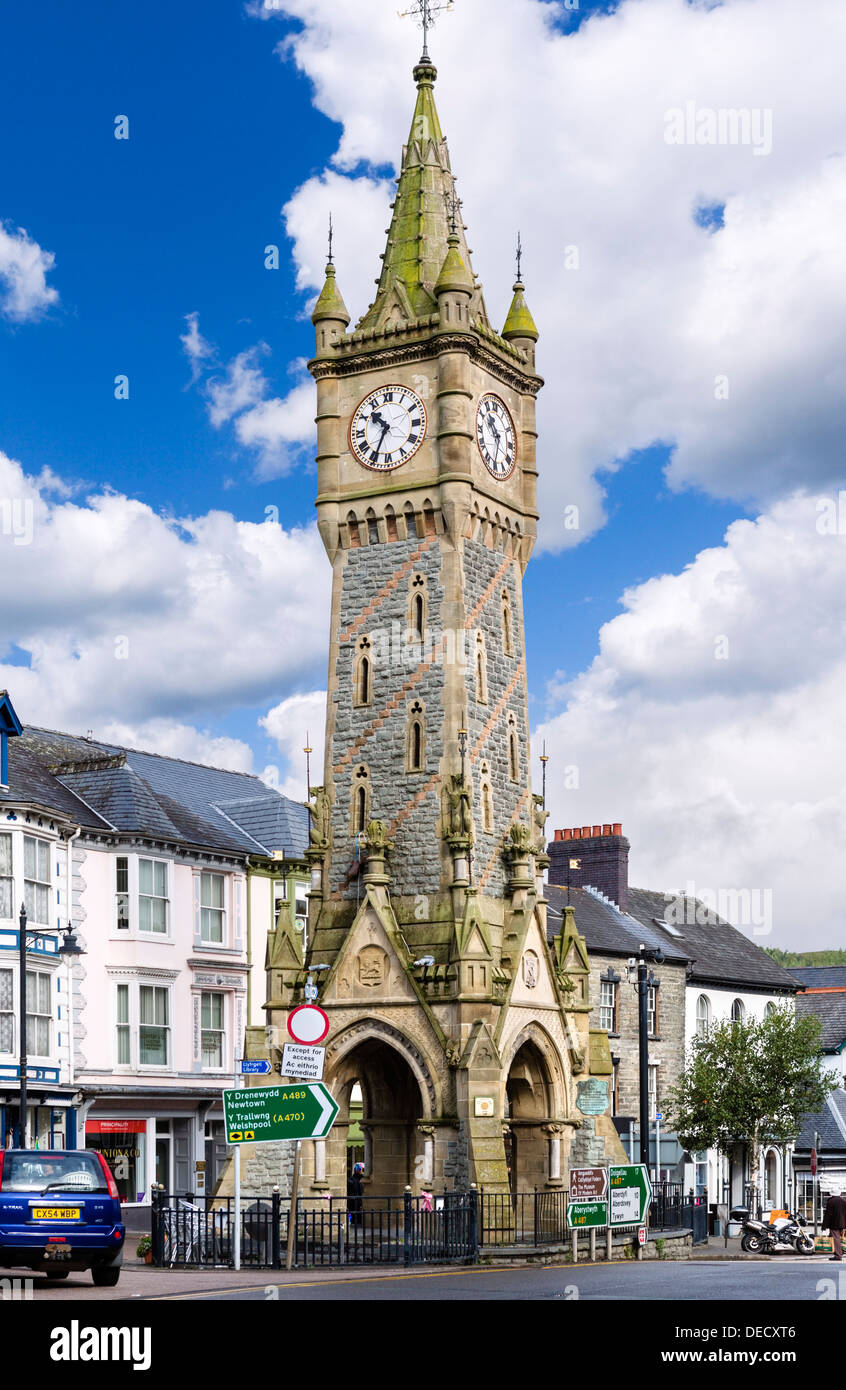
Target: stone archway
530 1105
397 1096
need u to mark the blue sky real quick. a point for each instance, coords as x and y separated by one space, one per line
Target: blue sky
692 263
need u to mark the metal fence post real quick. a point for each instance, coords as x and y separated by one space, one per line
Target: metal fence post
276 1219
474 1223
408 1218
156 1224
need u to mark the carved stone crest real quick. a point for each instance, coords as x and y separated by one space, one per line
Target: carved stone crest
372 967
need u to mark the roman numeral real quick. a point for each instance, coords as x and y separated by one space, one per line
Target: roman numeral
412 439
389 398
415 424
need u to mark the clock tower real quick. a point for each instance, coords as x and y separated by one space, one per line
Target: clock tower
461 1026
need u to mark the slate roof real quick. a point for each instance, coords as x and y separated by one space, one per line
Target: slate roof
717 952
722 955
819 976
830 1009
829 1123
106 786
607 930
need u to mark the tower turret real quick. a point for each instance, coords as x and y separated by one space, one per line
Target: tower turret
331 316
520 329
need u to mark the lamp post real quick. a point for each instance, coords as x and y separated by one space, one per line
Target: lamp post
640 978
68 949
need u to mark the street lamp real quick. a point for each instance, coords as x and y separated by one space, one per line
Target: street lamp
637 974
69 948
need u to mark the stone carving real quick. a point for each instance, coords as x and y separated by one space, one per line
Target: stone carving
531 970
460 820
377 838
320 832
520 837
539 819
453 1053
371 967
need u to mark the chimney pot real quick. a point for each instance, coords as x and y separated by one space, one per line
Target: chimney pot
585 832
559 834
617 828
606 829
597 830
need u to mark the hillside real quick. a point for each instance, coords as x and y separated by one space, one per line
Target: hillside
809 958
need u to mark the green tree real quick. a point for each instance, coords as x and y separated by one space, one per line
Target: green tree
750 1083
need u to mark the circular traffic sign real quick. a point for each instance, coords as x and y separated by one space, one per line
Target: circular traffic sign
308 1024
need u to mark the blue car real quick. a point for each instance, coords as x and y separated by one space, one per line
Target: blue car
60 1211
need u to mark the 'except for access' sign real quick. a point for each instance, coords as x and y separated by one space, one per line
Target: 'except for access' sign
263 1114
586 1214
587 1184
306 1063
630 1193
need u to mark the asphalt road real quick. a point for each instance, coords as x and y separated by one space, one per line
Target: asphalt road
698 1280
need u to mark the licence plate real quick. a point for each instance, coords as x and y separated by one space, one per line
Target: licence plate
56 1213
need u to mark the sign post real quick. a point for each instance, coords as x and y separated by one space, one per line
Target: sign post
630 1193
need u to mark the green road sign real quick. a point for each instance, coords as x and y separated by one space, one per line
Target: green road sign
581 1214
261 1114
629 1193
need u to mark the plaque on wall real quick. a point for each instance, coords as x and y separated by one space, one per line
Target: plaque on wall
592 1098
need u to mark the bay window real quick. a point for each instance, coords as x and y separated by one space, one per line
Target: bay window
37 884
7 1011
7 906
39 1012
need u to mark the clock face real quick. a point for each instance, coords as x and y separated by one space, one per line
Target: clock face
388 428
496 437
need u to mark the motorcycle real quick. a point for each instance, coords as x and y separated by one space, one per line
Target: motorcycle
786 1233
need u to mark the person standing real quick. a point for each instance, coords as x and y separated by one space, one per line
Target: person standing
834 1220
355 1193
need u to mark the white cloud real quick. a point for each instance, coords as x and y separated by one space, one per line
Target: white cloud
24 267
633 342
240 389
731 772
166 621
175 740
195 347
295 724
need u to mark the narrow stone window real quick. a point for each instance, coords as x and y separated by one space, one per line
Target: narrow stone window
507 625
360 800
481 670
410 522
416 740
355 534
487 802
391 524
429 525
363 674
513 752
417 608
372 528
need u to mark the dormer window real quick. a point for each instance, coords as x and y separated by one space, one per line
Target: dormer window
10 727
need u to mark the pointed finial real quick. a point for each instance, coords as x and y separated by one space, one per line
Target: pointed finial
425 12
519 259
331 233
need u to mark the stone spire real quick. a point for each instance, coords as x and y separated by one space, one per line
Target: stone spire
419 235
331 304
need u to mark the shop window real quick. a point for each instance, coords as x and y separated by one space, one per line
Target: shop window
123 1144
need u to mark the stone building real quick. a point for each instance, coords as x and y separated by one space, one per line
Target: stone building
467 1033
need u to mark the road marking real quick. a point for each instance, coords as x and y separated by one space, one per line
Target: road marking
364 1279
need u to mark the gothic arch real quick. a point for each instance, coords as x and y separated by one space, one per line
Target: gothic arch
365 1029
391 523
410 522
372 527
354 532
415 739
555 1065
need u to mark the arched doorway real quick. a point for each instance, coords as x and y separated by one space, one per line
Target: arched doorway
381 1108
529 1105
771 1196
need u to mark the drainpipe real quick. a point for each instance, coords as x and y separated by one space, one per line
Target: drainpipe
69 890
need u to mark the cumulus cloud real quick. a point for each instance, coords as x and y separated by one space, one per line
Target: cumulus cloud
195 347
24 267
687 294
710 723
295 724
169 621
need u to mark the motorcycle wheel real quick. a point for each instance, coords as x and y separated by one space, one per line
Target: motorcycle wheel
805 1245
753 1245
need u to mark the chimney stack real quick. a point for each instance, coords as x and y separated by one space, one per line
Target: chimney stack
595 856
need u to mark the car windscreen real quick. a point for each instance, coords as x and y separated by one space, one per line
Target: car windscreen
41 1172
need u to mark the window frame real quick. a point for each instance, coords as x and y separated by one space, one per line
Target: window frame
35 1015
166 1027
653 995
154 897
213 907
613 985
8 876
700 1031
9 1012
221 1031
133 1025
30 899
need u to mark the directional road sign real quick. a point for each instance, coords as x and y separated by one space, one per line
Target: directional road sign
630 1193
588 1184
263 1114
306 1063
254 1067
582 1214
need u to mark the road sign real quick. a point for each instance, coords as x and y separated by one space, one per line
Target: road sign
588 1184
813 1163
630 1193
263 1114
311 992
306 1063
251 1067
641 1236
583 1214
308 1024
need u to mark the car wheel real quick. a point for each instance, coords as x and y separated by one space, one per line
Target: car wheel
105 1276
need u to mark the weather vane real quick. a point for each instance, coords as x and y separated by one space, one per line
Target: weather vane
519 259
453 203
425 12
331 261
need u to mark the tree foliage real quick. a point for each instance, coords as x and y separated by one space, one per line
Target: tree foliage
796 958
750 1082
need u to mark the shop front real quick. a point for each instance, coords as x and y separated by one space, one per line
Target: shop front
175 1143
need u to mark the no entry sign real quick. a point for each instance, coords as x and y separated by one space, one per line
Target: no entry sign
308 1024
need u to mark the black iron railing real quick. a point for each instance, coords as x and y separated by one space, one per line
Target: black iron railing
329 1231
